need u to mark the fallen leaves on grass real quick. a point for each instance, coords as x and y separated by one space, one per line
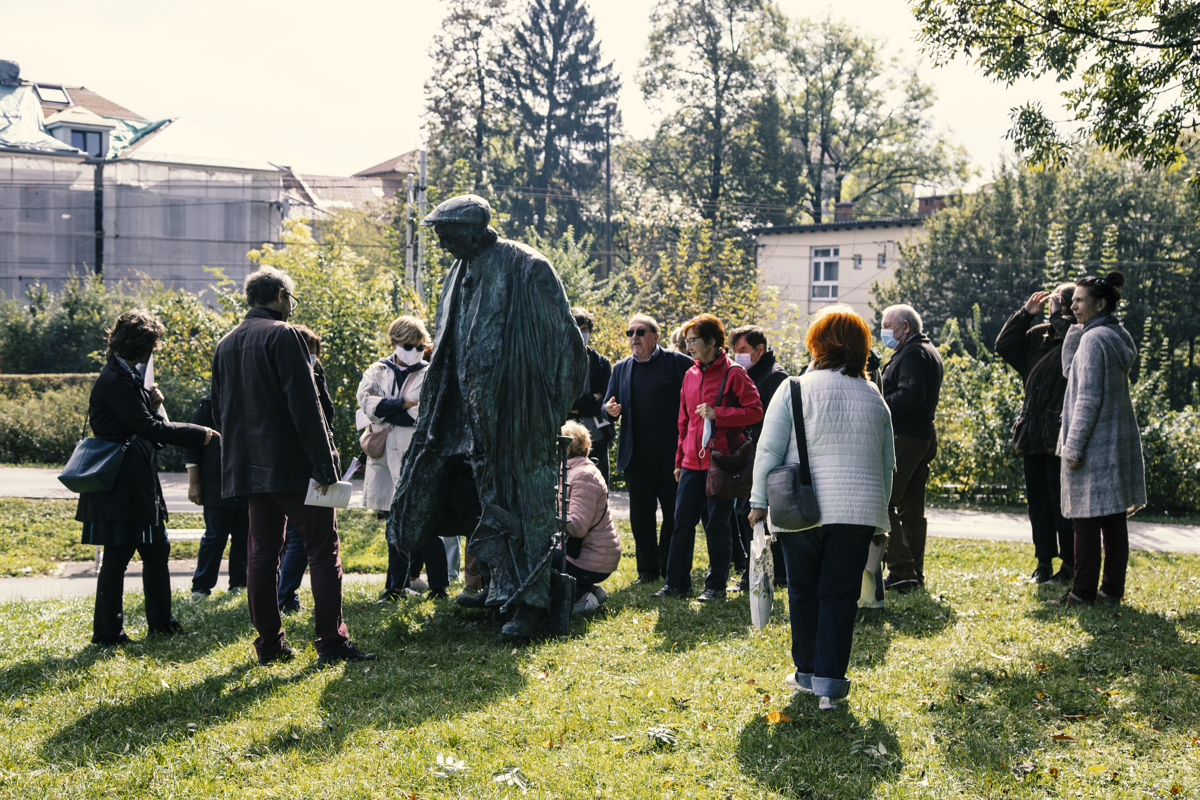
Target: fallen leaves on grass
778 716
1062 737
447 766
512 776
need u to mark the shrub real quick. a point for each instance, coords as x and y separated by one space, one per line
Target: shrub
41 427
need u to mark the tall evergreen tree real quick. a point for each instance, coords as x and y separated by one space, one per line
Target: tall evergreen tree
556 86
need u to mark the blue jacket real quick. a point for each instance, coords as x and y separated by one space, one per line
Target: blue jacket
619 387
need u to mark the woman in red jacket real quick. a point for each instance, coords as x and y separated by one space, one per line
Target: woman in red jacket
730 412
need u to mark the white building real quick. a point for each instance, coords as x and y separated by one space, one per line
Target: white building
814 265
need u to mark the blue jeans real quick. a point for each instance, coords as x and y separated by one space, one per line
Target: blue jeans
824 570
692 505
222 525
292 563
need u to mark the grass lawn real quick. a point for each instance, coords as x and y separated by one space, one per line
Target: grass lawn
972 690
35 535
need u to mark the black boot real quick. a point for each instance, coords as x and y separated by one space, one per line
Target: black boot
477 600
526 622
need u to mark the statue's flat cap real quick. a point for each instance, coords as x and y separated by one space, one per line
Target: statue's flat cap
466 209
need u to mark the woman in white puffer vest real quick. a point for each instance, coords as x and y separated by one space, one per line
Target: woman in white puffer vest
851 456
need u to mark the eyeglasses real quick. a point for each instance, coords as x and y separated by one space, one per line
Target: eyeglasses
693 339
295 300
412 346
632 332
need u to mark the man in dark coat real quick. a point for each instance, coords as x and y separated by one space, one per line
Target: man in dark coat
643 393
588 410
508 362
224 519
752 352
275 441
1035 352
912 383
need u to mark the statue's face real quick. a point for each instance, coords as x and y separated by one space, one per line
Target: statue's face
457 239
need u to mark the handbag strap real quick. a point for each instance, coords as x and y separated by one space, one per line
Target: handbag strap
801 435
721 396
1033 369
86 415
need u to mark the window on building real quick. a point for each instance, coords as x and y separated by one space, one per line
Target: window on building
176 225
87 141
825 273
883 260
54 94
858 261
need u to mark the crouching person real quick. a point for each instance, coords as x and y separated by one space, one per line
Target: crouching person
593 548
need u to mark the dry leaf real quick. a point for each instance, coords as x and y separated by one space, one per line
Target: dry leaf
778 716
751 682
1176 788
1074 716
1062 737
708 727
1040 666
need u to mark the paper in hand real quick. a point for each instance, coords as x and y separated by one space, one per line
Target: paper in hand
353 469
148 383
336 496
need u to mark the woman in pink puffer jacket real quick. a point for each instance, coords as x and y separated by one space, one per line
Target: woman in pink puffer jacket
589 521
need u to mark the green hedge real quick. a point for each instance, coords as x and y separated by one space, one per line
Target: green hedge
17 386
42 427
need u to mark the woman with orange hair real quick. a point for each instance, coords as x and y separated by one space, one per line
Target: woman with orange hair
851 455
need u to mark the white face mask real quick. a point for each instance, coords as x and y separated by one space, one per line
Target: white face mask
409 357
586 335
743 359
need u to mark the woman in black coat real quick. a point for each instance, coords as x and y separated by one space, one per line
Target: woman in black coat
132 515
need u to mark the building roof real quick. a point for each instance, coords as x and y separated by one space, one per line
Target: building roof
407 162
78 115
85 97
850 224
332 191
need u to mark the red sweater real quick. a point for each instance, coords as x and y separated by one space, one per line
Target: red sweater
739 408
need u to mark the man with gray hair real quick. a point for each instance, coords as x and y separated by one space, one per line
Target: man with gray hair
912 381
275 441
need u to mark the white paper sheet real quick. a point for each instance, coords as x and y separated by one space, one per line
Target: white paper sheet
337 496
148 382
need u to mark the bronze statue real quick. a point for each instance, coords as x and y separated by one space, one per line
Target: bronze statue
508 362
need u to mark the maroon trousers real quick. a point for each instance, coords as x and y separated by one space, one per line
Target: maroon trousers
1113 530
317 526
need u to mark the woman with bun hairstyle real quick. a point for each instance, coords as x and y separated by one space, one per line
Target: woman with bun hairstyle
1103 477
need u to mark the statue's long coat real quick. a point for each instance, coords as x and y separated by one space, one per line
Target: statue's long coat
508 362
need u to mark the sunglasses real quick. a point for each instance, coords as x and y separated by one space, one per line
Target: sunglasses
632 332
412 346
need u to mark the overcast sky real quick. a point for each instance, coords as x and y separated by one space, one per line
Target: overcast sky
333 88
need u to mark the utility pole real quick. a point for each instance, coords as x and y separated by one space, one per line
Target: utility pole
408 231
98 212
420 236
609 108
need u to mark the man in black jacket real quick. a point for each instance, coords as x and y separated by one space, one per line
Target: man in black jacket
224 519
912 381
276 439
588 409
752 352
1035 352
644 394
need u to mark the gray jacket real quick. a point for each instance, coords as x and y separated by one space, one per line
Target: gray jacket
1099 428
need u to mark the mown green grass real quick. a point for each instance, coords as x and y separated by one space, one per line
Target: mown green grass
957 693
37 535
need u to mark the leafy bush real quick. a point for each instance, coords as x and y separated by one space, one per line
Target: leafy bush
42 426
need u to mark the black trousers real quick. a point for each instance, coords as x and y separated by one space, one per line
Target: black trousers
599 454
108 622
1053 534
651 486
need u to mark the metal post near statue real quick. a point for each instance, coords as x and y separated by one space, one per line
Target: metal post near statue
609 109
421 186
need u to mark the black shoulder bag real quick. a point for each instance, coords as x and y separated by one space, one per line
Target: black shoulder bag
95 463
790 496
730 476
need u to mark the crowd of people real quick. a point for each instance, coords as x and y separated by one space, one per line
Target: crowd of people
866 434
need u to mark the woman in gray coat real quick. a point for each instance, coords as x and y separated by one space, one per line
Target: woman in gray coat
1103 478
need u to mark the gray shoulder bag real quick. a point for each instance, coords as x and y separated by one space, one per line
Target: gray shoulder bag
790 496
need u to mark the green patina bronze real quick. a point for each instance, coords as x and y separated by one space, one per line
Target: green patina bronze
508 362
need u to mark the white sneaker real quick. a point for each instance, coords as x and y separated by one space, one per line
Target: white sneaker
601 595
418 585
793 684
199 596
585 604
829 704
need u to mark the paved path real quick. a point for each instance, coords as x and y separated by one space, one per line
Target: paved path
78 578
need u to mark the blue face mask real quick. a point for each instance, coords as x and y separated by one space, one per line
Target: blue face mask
888 339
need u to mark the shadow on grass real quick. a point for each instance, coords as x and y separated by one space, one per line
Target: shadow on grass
916 614
117 730
1128 681
213 627
820 755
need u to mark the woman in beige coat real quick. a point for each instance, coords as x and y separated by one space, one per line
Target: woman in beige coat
593 547
389 398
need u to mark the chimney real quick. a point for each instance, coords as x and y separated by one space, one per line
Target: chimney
10 73
843 212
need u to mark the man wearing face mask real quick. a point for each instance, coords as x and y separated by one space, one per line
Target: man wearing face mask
508 363
912 383
588 409
1035 352
752 352
276 439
